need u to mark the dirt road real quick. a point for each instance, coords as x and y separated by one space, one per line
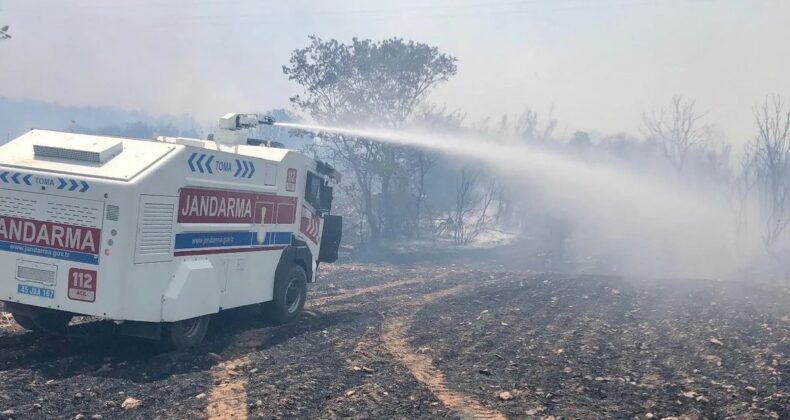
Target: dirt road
434 342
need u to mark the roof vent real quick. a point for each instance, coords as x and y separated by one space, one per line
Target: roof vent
92 150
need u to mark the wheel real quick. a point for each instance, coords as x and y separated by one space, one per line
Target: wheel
51 321
26 322
186 333
45 320
290 294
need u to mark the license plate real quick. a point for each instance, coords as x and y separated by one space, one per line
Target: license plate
42 292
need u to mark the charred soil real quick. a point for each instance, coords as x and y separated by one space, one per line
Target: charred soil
433 342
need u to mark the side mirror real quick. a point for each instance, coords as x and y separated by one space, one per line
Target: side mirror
325 206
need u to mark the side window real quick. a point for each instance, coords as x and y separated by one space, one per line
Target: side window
312 191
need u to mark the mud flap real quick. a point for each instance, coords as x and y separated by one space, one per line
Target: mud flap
149 330
330 239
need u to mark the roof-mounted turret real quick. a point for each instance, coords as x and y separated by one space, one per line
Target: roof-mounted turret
233 130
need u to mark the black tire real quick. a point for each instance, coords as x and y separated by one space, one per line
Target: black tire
51 321
26 322
290 294
184 334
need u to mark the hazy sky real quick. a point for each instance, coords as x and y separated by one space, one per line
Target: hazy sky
599 63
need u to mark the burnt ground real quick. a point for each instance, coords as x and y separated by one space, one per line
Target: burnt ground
420 341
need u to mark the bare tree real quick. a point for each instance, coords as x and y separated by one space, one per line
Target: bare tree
470 216
525 126
430 117
679 130
4 33
768 167
744 185
424 163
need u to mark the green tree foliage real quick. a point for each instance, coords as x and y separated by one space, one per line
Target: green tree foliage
371 84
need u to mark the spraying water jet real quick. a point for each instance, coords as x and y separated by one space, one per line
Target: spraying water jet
655 227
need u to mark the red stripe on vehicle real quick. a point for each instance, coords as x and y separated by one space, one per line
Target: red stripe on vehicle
227 251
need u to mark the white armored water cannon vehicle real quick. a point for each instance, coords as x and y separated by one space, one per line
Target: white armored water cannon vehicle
160 235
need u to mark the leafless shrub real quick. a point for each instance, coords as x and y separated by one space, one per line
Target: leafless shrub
679 130
766 169
470 216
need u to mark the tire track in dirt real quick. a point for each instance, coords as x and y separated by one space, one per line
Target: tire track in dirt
228 397
394 340
421 366
228 400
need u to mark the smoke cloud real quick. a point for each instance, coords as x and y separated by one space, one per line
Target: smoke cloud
652 226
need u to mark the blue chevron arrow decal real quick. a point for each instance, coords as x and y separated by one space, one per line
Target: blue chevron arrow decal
252 170
208 164
191 162
238 169
20 178
200 163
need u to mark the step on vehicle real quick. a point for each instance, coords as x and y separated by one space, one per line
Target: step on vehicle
159 235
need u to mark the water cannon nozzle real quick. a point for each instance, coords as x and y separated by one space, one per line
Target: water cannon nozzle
266 120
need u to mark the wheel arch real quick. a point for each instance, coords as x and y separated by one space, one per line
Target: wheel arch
298 253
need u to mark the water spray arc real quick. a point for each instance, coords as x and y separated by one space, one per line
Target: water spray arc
659 227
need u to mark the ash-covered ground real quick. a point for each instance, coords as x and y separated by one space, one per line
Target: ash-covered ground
427 341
